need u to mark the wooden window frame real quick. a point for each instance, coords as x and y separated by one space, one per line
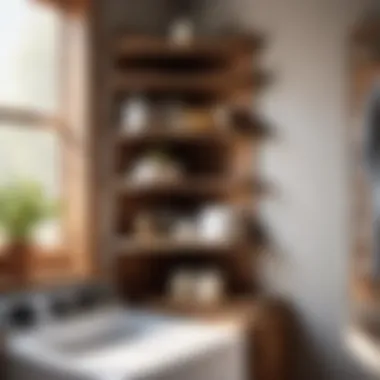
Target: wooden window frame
70 125
364 71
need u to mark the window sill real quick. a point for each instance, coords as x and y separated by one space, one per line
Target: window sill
37 282
43 266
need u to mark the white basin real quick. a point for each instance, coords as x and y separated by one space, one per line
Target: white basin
119 344
111 328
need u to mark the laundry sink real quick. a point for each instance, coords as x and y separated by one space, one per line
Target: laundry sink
123 344
99 331
94 340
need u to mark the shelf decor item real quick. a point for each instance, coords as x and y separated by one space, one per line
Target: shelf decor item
134 115
216 224
181 32
155 167
204 287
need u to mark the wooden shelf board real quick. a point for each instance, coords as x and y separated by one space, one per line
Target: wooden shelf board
136 46
159 134
193 187
217 85
167 246
162 134
185 187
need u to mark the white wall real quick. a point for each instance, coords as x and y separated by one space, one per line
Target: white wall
309 162
307 52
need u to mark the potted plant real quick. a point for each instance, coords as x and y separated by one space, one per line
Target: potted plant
23 206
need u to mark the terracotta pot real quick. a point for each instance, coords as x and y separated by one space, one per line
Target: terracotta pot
18 257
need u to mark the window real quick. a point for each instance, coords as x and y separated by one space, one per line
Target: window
44 132
30 141
29 57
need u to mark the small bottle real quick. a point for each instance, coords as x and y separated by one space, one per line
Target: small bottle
134 115
181 31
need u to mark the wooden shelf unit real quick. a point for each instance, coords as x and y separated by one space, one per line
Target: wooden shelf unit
140 270
208 72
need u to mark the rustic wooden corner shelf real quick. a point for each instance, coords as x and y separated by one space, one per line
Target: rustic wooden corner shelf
221 162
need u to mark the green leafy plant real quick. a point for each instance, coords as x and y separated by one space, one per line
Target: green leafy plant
23 205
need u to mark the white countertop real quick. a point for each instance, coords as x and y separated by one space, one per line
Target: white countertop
167 342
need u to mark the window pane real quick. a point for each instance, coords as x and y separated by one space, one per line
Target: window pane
27 153
29 55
